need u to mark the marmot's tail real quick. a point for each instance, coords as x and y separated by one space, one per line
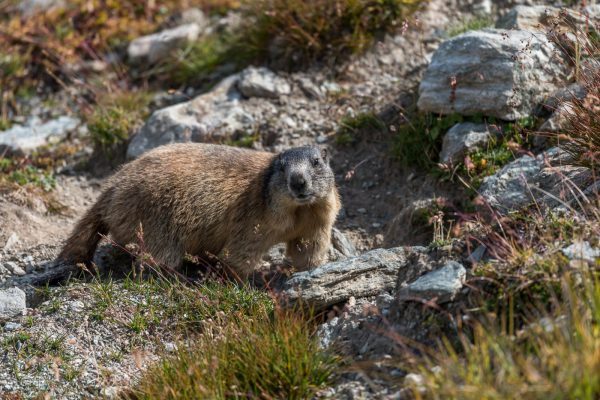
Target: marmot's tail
81 245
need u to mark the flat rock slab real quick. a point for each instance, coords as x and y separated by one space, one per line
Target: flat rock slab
12 302
546 179
367 275
26 138
441 285
493 72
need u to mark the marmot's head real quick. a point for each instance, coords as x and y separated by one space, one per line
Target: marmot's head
301 175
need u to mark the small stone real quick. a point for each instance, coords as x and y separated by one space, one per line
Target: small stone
442 284
11 242
463 138
170 347
376 225
362 211
12 302
156 47
14 268
581 251
12 326
76 306
262 82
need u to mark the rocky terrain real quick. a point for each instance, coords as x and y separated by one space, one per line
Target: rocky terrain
421 225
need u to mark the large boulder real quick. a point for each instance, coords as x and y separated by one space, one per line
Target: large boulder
155 47
493 72
546 179
210 117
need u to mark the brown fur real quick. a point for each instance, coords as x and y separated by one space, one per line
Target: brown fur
200 198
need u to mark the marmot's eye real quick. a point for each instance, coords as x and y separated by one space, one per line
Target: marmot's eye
315 162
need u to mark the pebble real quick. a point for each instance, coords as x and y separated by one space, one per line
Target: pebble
12 326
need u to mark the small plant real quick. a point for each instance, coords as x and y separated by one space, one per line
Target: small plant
256 357
22 173
115 117
417 140
366 125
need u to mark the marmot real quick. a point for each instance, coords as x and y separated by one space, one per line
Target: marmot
226 201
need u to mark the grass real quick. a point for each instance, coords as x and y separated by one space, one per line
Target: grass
21 172
417 140
116 116
364 125
554 358
258 357
289 35
471 24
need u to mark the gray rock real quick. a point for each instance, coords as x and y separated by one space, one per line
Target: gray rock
559 120
493 72
12 302
367 275
342 244
463 138
194 15
442 284
29 137
12 326
14 268
582 251
156 47
546 179
30 7
210 117
526 17
262 82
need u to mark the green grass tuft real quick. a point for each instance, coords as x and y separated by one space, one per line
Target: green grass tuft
471 24
362 125
256 357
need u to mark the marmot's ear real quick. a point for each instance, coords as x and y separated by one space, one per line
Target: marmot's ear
325 155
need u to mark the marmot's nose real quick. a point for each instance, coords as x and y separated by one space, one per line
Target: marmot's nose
298 183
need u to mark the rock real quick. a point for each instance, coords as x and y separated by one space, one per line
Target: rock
543 17
532 18
29 137
564 95
493 72
546 179
156 47
463 138
30 7
11 242
342 244
367 275
581 251
262 82
442 284
559 120
12 302
12 326
14 268
210 117
193 15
